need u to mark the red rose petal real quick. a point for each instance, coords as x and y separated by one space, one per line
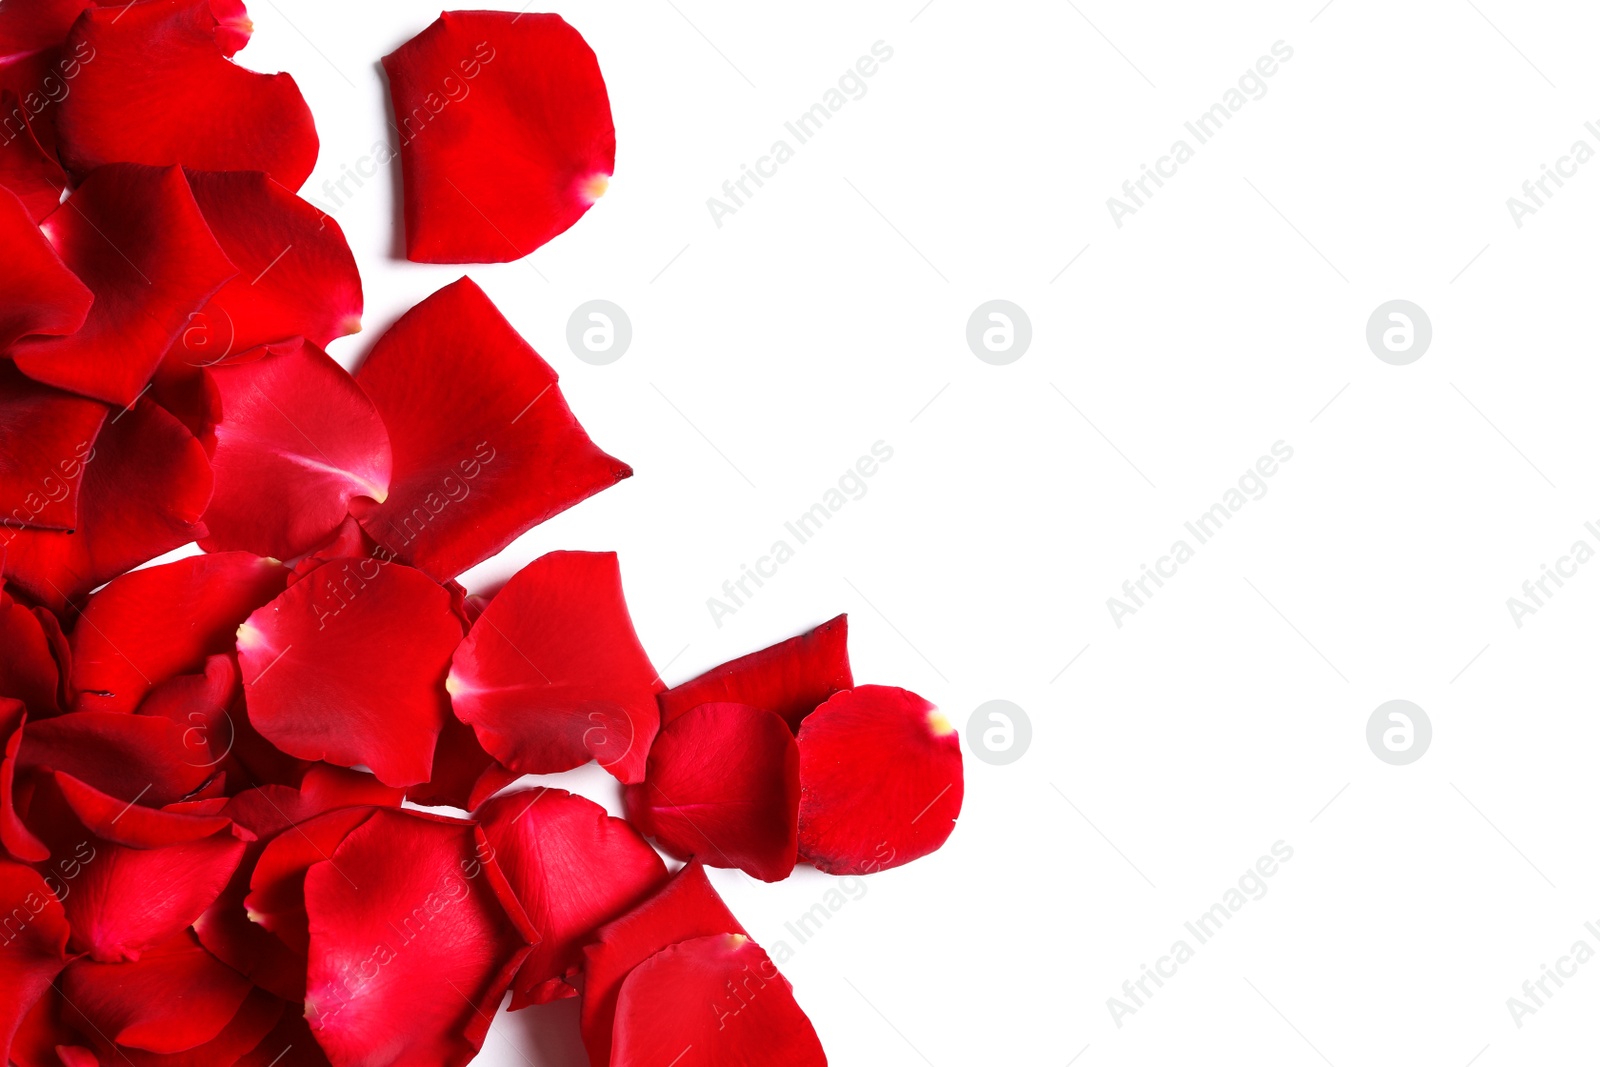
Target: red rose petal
296 277
145 486
176 996
290 1044
150 625
44 436
552 674
686 907
256 1018
200 704
723 786
33 64
880 780
15 837
485 447
136 238
492 180
29 670
789 679
408 968
348 666
26 167
160 91
297 440
34 949
464 775
277 898
716 1001
128 756
43 296
233 25
572 867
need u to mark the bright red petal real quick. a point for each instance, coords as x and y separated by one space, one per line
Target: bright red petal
297 441
35 947
409 967
44 436
128 756
686 907
255 1019
26 168
572 867
348 666
160 91
492 179
33 64
880 780
552 674
715 1001
485 447
790 678
176 996
277 897
153 624
464 775
42 295
723 786
135 237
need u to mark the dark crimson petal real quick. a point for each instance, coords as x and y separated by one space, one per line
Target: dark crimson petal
145 486
154 624
880 780
715 1001
485 447
131 877
790 678
33 64
409 967
176 996
464 775
552 674
43 296
33 946
160 91
290 1044
44 436
723 786
686 907
296 278
29 670
200 703
26 168
297 440
572 867
128 756
505 134
15 837
135 237
256 1018
348 666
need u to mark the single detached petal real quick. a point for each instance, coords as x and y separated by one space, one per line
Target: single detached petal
485 447
43 296
348 665
145 485
409 967
572 867
880 780
34 948
143 757
723 786
153 624
686 907
176 996
714 1001
790 678
26 167
298 440
161 91
44 436
505 134
297 277
552 674
135 237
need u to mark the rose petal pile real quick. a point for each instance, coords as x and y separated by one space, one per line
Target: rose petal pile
211 845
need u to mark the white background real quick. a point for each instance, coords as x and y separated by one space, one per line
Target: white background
829 313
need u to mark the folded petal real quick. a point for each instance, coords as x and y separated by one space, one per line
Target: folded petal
176 996
790 678
723 786
506 136
257 1017
409 967
552 674
277 898
26 167
464 775
29 670
43 296
44 436
880 780
686 907
485 447
144 757
160 91
348 665
33 946
715 1001
572 867
34 64
297 441
15 837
